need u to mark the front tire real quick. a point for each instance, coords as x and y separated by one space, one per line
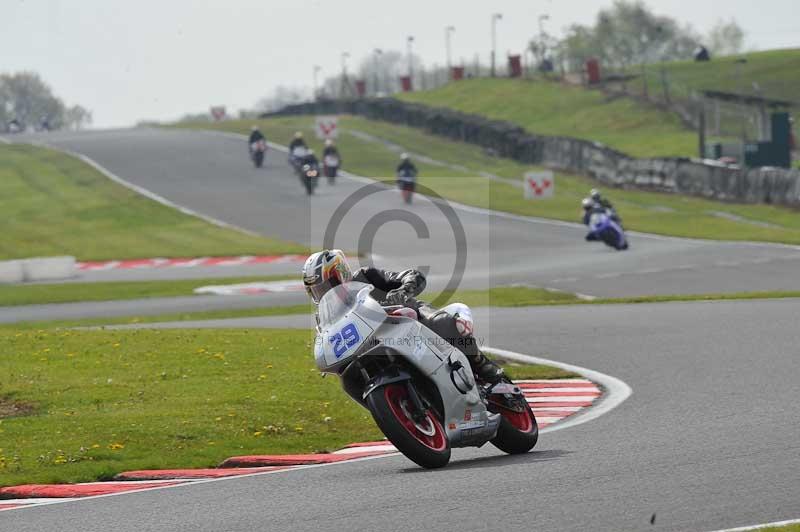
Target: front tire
424 443
518 431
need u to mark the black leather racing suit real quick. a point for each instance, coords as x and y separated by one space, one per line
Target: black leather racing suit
401 288
255 136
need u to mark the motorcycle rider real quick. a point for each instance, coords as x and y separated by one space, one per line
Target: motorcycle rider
297 141
329 268
309 159
598 198
330 149
406 167
255 136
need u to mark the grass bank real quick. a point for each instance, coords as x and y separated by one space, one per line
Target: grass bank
54 204
551 108
91 404
652 212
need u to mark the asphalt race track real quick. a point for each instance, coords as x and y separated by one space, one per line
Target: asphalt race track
707 440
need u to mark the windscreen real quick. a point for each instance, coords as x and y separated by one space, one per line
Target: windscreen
338 301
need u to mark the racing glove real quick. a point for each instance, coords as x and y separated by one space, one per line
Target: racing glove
398 296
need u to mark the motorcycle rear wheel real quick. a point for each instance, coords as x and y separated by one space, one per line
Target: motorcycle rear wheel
518 431
424 443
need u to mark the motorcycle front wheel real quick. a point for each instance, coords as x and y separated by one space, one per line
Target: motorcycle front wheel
421 441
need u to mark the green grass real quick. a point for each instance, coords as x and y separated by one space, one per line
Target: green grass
787 528
660 213
777 73
110 401
31 294
54 204
550 108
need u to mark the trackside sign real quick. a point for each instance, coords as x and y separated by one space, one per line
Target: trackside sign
327 127
537 185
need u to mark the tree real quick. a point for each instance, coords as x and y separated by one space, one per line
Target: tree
77 117
726 38
25 97
280 97
628 34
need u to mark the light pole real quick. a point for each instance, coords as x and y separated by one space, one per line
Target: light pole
542 18
409 41
317 68
447 32
377 53
495 18
345 86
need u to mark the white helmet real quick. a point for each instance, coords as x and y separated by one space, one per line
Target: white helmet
587 204
404 156
324 270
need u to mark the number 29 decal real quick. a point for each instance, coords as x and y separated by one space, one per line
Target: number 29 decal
343 340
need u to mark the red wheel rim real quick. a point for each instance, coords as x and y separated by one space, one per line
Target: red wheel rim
522 421
397 397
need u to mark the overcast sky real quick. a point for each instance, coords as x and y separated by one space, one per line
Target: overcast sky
128 60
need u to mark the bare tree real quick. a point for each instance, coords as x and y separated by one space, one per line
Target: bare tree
29 100
726 38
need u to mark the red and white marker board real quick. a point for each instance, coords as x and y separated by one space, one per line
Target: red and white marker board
539 185
327 127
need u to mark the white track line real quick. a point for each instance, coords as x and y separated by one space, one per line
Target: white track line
758 527
145 192
616 392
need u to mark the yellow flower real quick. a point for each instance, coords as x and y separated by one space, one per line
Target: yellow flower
116 446
257 433
217 419
96 446
298 429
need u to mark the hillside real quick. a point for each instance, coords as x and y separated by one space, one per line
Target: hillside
777 73
626 124
550 108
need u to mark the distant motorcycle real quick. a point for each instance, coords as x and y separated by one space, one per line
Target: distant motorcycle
258 150
604 229
406 182
296 157
330 165
309 176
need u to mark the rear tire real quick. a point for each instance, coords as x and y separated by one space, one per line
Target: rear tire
518 431
426 445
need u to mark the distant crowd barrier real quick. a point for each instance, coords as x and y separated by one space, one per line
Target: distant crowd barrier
682 175
37 269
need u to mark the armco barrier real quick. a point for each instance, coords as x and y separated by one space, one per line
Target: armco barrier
38 269
694 177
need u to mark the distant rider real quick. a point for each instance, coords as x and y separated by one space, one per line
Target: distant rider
297 141
329 268
255 136
309 159
330 149
406 167
603 202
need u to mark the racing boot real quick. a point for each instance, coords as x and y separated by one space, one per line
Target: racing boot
486 369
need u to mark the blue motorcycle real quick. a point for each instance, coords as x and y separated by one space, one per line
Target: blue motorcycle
603 228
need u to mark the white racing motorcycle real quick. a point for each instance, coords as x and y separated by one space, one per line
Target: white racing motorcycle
420 389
